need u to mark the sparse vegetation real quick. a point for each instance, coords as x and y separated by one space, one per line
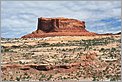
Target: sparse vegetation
57 52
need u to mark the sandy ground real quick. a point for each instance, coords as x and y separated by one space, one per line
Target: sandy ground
78 63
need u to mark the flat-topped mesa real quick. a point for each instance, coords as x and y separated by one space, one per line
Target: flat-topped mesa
59 27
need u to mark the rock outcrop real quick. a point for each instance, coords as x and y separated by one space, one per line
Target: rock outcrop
59 27
118 33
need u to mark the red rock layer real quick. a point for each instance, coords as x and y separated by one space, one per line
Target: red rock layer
59 27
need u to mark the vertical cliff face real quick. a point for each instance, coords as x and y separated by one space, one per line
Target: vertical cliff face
60 24
46 25
59 27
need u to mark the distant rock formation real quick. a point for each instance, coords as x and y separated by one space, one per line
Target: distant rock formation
118 33
59 27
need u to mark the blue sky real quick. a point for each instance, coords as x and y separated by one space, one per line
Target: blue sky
20 17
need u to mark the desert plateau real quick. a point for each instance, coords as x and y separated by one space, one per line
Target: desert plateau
83 58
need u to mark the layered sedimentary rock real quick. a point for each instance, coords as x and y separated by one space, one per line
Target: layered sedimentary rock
59 27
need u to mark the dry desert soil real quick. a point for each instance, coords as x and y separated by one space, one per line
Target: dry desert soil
83 58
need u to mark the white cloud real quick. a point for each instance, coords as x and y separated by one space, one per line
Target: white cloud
22 15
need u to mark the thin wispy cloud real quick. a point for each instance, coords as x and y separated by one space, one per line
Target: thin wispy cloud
20 17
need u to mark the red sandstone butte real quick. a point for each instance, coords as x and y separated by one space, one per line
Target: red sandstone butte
48 27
